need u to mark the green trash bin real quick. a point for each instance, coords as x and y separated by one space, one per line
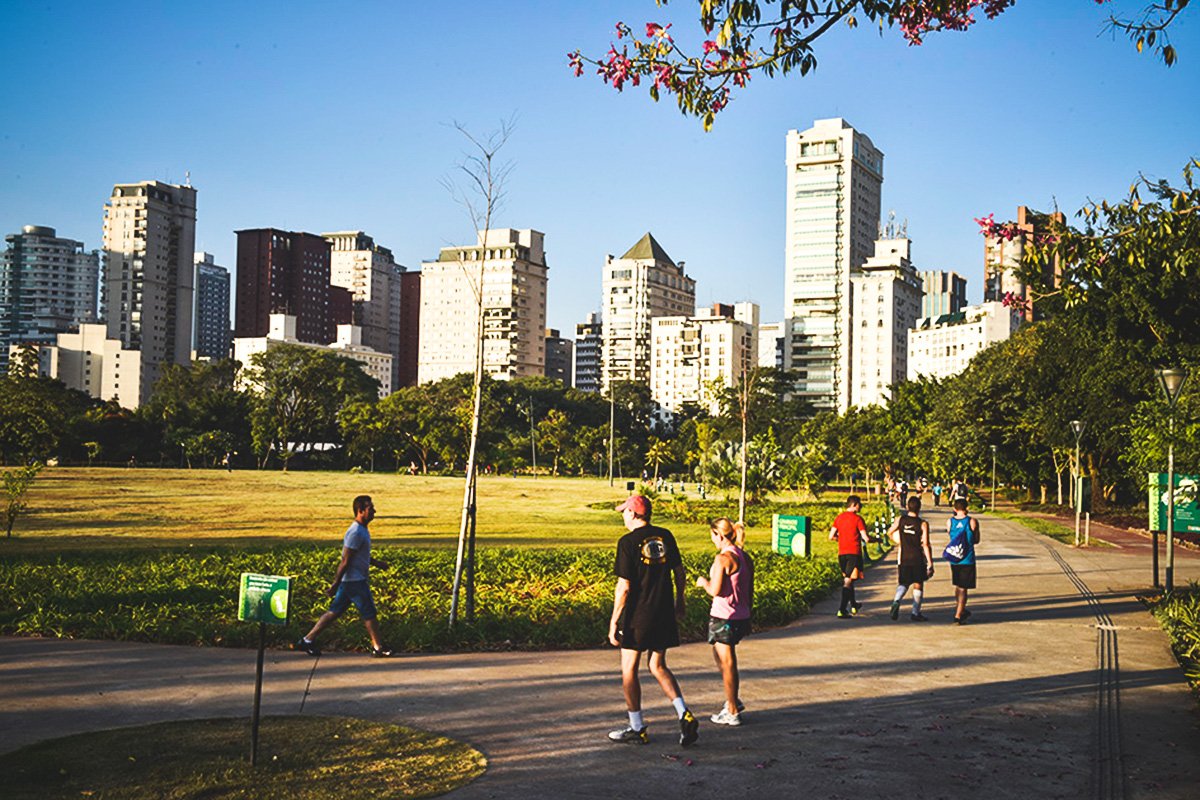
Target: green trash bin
790 535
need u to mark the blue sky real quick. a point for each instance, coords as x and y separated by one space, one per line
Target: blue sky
318 116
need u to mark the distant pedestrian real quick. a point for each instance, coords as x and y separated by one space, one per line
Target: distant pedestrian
730 583
911 533
648 600
960 491
937 493
350 582
902 493
965 527
227 463
850 531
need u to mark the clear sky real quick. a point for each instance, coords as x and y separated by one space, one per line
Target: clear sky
323 116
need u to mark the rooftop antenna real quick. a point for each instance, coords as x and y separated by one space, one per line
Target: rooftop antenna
187 178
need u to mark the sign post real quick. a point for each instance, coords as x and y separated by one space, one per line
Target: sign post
790 535
262 599
1184 517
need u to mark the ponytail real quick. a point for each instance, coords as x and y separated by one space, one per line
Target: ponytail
733 532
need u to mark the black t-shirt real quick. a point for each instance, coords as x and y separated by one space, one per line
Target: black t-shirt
647 558
911 552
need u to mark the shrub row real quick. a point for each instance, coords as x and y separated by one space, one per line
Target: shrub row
525 599
1179 615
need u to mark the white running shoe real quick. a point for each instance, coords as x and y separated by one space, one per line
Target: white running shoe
723 717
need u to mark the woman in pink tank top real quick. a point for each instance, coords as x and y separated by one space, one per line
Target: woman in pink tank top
730 582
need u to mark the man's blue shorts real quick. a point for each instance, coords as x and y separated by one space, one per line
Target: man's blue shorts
357 592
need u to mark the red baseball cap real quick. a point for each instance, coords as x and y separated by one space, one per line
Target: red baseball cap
637 504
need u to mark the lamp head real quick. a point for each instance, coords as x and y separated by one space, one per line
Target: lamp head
1077 426
993 449
1171 381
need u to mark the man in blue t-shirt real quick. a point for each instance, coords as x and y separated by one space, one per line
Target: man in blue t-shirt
350 582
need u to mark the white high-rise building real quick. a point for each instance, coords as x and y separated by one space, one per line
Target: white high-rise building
91 361
637 287
834 180
886 304
589 345
514 307
148 289
48 286
941 347
372 275
693 358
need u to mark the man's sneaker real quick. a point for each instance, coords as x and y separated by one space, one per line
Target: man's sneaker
918 617
741 706
382 652
689 728
854 607
843 614
305 646
628 735
895 612
962 620
723 717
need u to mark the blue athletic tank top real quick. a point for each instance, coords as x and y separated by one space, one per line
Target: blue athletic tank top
957 527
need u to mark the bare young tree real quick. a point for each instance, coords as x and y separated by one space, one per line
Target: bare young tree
480 191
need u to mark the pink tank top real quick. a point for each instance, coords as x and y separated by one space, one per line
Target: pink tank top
737 590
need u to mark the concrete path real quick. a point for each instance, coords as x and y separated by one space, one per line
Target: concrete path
1062 686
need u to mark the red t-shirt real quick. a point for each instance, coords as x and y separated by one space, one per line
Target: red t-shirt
847 525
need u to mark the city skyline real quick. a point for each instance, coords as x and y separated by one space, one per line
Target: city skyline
1030 109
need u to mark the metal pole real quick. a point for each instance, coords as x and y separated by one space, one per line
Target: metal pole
532 439
471 549
1154 558
1171 506
993 478
1079 488
262 645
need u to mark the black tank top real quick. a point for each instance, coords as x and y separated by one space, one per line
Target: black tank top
911 552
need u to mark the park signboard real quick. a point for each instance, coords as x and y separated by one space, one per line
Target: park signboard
790 535
1187 502
264 598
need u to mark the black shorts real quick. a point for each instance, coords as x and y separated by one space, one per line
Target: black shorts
850 562
727 631
912 573
963 575
653 638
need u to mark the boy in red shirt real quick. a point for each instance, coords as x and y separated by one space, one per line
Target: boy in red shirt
851 533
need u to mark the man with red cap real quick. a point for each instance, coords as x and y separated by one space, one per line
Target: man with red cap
648 599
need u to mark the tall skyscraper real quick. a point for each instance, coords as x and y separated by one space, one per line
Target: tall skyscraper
886 304
945 293
410 328
372 276
637 287
48 286
285 272
1002 256
514 276
149 275
212 308
589 346
560 353
834 179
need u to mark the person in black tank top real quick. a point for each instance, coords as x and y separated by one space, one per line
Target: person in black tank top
911 533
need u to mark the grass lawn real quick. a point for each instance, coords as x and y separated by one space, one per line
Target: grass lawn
100 508
299 758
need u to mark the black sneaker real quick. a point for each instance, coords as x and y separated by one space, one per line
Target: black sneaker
382 652
628 735
962 620
689 729
895 612
305 646
918 617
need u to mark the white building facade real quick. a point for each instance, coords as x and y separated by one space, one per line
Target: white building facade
514 280
695 357
942 347
282 330
148 289
834 181
886 302
637 287
945 293
372 276
90 361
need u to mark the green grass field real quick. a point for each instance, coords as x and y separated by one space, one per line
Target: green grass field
100 508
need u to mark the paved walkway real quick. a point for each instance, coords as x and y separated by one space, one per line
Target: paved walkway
1062 686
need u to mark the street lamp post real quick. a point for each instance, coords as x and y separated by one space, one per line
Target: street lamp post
1077 429
612 416
1171 381
993 478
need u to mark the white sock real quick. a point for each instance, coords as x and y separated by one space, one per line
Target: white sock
680 706
306 640
635 720
918 595
900 590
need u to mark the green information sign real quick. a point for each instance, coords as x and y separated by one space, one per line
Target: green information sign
790 535
264 598
1187 502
